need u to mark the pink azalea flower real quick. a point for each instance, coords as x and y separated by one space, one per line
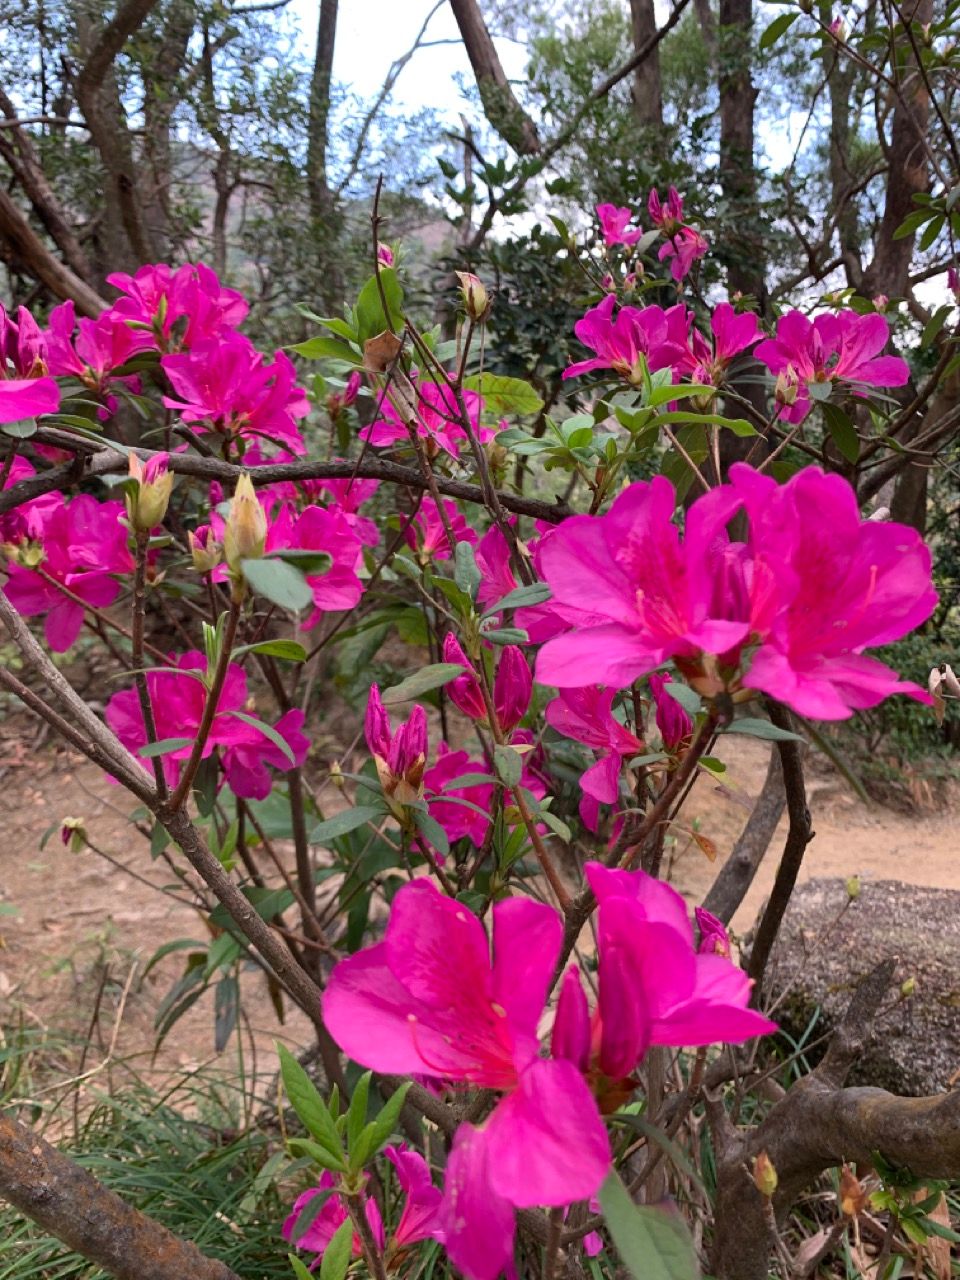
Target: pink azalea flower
733 334
348 496
26 521
429 1001
832 348
22 398
813 587
673 722
668 216
337 401
158 297
461 811
178 699
512 685
684 248
25 390
226 386
426 534
84 545
614 223
625 344
540 621
857 584
654 986
421 1217
438 425
714 939
585 715
100 347
316 1238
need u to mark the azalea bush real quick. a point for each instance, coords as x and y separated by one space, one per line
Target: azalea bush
519 1020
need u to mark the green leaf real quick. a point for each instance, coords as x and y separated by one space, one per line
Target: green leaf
653 1243
432 831
20 430
369 309
309 1106
520 597
841 430
357 1114
317 1153
507 635
279 582
466 575
505 395
688 698
268 731
288 650
556 825
336 1256
163 747
325 349
226 1003
756 728
423 681
299 1270
934 325
314 562
508 765
342 824
776 29
387 1118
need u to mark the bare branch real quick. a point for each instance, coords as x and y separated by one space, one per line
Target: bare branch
500 104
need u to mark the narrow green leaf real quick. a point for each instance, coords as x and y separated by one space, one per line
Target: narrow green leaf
423 681
387 1118
336 1256
299 1270
357 1114
268 731
776 29
432 831
521 597
756 728
316 1152
688 698
841 430
163 747
508 765
342 824
466 575
653 1243
288 650
308 1104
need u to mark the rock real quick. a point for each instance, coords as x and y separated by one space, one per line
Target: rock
828 943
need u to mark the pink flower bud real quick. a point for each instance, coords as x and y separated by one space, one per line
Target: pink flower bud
672 721
352 389
464 692
400 757
512 688
385 255
473 291
570 1038
953 282
376 725
147 504
714 939
204 548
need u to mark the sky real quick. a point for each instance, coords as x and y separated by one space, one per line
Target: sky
371 34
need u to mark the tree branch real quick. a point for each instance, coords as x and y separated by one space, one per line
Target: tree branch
63 1198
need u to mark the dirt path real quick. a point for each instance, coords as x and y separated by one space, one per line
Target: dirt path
81 927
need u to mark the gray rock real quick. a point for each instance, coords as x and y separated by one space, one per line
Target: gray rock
828 943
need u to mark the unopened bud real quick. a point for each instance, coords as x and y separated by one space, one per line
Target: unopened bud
26 554
476 300
764 1175
907 988
150 494
336 775
204 548
881 302
245 530
853 887
385 255
786 389
853 1197
73 834
608 284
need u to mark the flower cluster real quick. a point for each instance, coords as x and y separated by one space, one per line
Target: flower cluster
788 612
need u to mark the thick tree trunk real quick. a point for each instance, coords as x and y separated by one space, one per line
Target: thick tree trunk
324 212
161 96
647 88
27 252
63 1198
500 104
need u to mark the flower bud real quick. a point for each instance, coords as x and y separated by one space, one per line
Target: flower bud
764 1175
786 388
673 722
400 757
908 988
476 300
147 504
385 255
245 530
512 688
881 302
714 939
852 884
953 282
73 834
204 548
608 284
570 1038
464 691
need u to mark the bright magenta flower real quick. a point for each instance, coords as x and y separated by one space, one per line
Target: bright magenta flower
428 1001
684 244
84 544
714 939
316 1238
178 698
733 333
636 337
400 756
493 560
813 587
25 390
614 223
460 810
585 715
426 532
158 297
842 347
667 215
421 1217
439 424
99 347
655 987
25 522
226 386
